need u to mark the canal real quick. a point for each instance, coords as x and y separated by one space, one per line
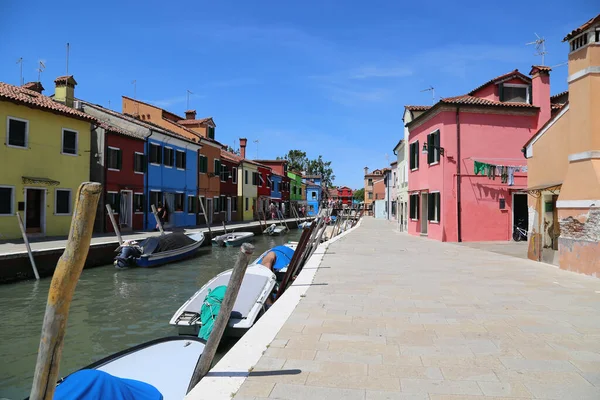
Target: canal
111 310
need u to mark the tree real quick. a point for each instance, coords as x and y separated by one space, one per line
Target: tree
323 168
296 159
359 194
231 150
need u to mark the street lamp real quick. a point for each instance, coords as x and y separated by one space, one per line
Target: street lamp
426 150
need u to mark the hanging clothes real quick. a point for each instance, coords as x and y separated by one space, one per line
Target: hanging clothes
503 174
479 168
511 175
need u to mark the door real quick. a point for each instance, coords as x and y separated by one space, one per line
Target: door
34 210
126 210
424 205
170 203
229 209
520 212
209 210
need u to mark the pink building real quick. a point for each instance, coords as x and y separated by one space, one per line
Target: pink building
447 200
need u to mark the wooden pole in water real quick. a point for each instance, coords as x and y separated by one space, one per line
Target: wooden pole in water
29 253
111 215
61 291
233 287
224 228
205 217
160 227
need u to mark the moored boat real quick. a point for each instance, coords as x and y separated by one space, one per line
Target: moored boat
158 250
274 230
232 239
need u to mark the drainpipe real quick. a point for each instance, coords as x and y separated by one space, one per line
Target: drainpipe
147 189
458 179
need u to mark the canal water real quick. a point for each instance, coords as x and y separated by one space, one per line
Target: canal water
111 310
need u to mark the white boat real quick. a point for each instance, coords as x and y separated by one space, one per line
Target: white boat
165 365
274 230
305 224
232 239
256 286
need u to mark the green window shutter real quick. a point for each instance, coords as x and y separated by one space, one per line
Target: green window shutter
530 94
501 91
430 149
417 154
119 159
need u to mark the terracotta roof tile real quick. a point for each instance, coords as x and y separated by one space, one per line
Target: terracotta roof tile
194 121
34 99
582 28
115 129
66 79
509 75
557 106
231 156
542 68
472 100
556 96
417 108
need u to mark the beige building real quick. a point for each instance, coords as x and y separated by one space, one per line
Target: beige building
563 160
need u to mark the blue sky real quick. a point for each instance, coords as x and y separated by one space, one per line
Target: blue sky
327 77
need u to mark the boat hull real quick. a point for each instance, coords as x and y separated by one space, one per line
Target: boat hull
166 257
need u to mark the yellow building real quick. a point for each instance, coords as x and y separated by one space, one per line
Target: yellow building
563 160
247 184
44 158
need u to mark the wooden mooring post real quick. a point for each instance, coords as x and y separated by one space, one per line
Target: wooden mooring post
158 222
29 252
61 291
111 215
205 217
233 287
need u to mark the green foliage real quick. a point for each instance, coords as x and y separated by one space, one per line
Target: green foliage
359 194
297 161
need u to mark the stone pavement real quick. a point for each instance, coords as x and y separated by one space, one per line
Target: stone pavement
391 316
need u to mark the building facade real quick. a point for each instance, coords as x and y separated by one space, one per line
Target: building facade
372 191
47 146
563 160
248 178
313 194
230 165
466 170
282 195
264 188
344 194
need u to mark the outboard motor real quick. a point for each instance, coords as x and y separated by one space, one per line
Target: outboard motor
127 255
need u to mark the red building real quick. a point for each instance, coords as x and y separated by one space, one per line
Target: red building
263 189
119 163
279 168
229 185
345 195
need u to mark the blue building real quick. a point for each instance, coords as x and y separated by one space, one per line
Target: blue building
172 178
276 189
313 194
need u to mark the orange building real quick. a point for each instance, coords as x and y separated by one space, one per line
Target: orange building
374 187
563 160
200 130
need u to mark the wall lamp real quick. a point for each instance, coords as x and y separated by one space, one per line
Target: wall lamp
426 150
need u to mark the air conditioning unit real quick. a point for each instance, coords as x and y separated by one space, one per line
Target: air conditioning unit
77 105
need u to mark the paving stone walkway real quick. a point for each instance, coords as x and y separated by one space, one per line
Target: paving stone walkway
391 316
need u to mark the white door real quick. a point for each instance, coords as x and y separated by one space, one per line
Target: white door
209 210
126 209
229 209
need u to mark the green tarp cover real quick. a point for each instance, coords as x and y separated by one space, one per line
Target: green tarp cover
210 310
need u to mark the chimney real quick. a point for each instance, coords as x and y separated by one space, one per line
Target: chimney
243 142
64 91
35 86
366 170
190 114
540 92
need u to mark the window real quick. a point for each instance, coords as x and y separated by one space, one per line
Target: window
513 93
246 179
202 164
314 195
62 202
433 147
433 207
223 203
255 178
7 200
370 195
272 184
597 35
246 205
113 159
17 132
179 199
180 159
112 199
370 182
69 142
168 157
155 198
294 190
234 204
224 173
234 175
217 166
414 206
155 154
192 204
300 191
216 206
581 41
211 132
138 202
414 155
201 205
139 163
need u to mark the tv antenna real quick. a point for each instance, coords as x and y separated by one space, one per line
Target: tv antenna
540 47
134 83
20 61
68 49
188 98
256 141
432 90
41 69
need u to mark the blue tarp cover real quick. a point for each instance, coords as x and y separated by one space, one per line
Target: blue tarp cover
284 256
94 384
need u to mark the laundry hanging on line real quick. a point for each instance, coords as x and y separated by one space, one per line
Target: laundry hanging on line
506 173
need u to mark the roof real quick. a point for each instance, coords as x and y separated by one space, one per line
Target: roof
504 77
557 106
472 100
313 176
115 129
582 28
34 99
541 68
282 161
559 95
311 183
66 79
196 121
398 144
417 108
231 156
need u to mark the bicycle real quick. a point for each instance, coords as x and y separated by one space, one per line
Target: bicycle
519 233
